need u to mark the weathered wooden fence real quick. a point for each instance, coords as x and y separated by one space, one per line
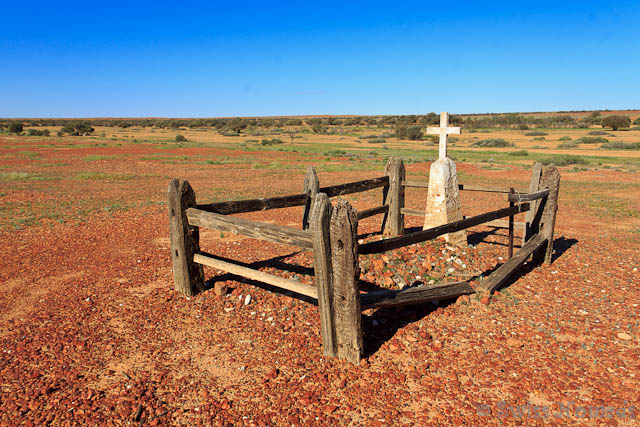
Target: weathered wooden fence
331 233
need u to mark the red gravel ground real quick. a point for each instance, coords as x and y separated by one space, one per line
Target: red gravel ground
92 333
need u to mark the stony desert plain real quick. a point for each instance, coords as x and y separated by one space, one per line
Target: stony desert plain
93 333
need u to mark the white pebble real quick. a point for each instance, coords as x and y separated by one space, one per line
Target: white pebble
247 300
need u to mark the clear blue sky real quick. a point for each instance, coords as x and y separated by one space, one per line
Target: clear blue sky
209 59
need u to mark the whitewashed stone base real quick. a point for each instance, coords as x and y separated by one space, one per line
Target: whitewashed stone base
443 199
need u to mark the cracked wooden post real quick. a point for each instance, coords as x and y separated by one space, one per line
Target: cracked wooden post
320 230
393 220
188 276
311 186
532 217
550 179
346 272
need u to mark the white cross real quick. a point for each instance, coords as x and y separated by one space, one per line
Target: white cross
443 131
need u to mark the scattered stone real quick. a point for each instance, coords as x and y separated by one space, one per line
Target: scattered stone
485 300
228 309
624 336
220 289
437 345
247 300
515 343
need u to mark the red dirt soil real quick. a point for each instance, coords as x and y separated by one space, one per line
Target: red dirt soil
92 332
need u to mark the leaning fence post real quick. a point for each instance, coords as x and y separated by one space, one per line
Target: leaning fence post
320 231
346 272
532 217
550 179
393 220
188 276
311 186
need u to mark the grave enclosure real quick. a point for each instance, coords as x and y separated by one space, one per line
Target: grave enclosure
330 231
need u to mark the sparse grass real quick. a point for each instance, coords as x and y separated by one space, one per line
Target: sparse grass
568 144
565 138
518 153
535 133
598 132
23 176
30 154
96 157
273 141
619 145
539 138
105 176
592 140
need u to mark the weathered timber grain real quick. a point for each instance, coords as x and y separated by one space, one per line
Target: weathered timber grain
502 273
188 276
355 187
393 221
532 219
257 230
414 212
432 233
311 186
411 296
320 231
346 293
253 205
551 180
373 211
280 282
510 252
416 184
527 197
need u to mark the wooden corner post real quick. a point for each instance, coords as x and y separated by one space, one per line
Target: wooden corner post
320 231
188 276
393 220
346 272
550 179
533 215
311 186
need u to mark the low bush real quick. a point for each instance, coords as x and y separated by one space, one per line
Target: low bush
38 132
272 141
619 145
535 133
597 132
565 160
568 144
518 153
565 138
180 138
616 122
492 142
377 141
412 133
592 140
368 136
15 127
637 121
539 138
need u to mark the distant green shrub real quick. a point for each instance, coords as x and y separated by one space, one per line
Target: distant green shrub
535 133
230 133
377 141
335 153
616 122
518 153
565 160
568 144
273 141
637 121
523 127
38 132
78 128
16 127
539 138
592 140
493 143
180 138
619 145
412 133
368 136
598 132
565 138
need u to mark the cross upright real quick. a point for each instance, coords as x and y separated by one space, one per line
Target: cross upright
443 131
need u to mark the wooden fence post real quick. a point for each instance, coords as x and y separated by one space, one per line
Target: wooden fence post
311 186
532 217
320 230
550 179
393 220
188 276
346 272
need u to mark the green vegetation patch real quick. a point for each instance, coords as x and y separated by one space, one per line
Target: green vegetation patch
568 144
592 140
565 160
619 145
23 176
536 133
493 142
105 176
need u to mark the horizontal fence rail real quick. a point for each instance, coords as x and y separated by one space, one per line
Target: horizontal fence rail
257 230
355 187
527 197
373 211
393 298
280 282
253 205
432 233
464 187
